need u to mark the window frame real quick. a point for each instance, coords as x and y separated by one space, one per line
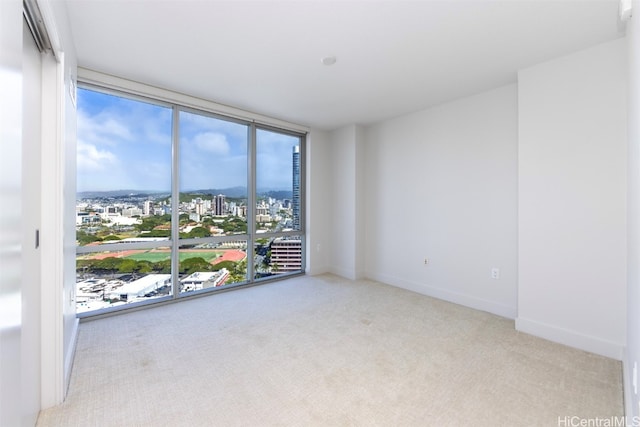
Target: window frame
195 106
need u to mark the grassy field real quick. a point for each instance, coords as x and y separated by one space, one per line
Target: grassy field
161 256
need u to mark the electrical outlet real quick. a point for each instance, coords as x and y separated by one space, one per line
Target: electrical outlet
495 273
426 261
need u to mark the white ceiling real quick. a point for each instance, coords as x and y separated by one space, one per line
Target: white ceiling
393 57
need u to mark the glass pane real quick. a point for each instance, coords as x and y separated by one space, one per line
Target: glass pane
212 265
279 255
124 170
108 279
277 182
213 176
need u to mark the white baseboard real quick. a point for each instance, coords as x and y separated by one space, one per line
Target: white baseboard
627 384
447 295
68 362
344 273
570 338
316 270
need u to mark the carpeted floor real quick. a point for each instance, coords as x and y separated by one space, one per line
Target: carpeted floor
324 351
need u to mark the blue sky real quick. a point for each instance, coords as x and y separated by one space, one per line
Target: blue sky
126 145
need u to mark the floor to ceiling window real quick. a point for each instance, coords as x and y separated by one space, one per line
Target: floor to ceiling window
174 202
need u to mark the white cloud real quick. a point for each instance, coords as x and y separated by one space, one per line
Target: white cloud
113 127
90 158
212 142
102 129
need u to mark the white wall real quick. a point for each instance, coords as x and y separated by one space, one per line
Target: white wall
441 184
632 399
31 214
360 201
11 280
317 212
572 199
345 202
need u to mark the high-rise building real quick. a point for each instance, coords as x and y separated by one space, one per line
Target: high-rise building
219 205
296 187
148 205
200 207
286 254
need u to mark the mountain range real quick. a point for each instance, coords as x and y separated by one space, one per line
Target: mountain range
232 192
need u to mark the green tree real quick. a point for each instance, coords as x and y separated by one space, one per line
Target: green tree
199 232
239 272
144 266
234 225
107 265
163 267
127 266
229 265
151 222
192 265
85 238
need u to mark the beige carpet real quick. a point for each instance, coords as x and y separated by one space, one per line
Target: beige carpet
323 351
